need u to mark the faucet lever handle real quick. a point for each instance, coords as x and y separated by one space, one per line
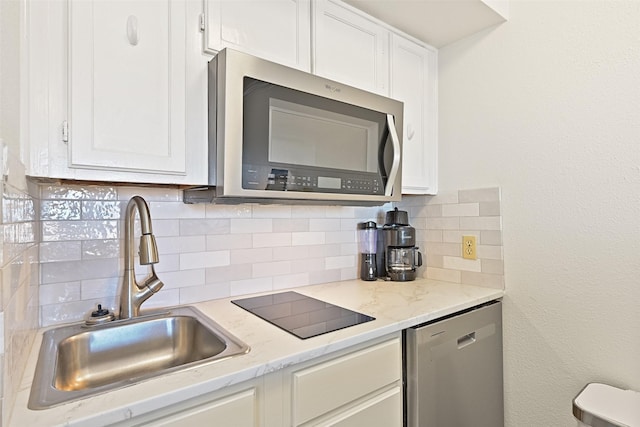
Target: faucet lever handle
148 250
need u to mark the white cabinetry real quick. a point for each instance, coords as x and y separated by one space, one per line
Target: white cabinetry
277 30
362 387
134 109
414 81
349 48
359 386
237 406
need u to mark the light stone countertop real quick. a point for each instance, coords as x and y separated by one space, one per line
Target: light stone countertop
395 305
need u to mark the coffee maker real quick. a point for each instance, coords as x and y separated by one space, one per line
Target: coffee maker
400 251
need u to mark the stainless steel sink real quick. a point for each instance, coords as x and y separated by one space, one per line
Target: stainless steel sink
78 361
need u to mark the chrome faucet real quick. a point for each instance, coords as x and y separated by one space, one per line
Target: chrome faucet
132 293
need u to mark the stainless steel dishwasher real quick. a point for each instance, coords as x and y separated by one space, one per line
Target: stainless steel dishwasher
453 370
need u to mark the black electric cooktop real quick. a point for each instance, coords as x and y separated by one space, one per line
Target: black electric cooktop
300 315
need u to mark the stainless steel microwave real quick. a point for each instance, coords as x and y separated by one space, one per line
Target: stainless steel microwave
280 134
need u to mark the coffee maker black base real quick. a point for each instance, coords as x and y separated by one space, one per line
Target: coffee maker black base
402 276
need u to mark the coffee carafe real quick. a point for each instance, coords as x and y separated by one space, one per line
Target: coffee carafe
402 256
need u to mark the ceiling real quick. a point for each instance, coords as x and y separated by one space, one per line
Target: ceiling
436 22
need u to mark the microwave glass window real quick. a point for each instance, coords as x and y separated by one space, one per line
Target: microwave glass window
303 135
297 141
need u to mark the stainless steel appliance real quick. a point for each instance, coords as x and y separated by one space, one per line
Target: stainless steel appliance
453 370
402 256
279 133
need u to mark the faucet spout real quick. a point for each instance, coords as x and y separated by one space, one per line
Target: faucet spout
132 293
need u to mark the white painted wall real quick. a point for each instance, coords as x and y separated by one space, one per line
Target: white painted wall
547 106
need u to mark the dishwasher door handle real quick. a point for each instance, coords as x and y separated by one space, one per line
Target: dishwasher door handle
466 340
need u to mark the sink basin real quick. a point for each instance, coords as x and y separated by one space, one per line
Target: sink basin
79 361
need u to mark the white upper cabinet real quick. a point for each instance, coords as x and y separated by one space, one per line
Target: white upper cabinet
349 48
127 85
414 81
135 108
277 30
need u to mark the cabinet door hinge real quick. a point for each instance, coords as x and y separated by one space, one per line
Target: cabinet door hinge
65 131
202 22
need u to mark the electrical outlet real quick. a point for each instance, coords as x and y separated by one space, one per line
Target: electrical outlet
469 247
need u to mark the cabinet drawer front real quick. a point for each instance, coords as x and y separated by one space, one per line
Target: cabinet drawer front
326 386
237 410
384 410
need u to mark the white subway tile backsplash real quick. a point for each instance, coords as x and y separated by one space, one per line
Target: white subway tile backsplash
440 223
325 224
166 227
215 251
290 281
229 241
251 255
60 251
292 253
490 209
301 211
101 210
340 262
195 294
444 275
481 223
159 194
78 192
491 237
340 236
250 286
270 269
180 244
270 240
183 278
68 271
78 230
495 281
167 210
96 289
226 274
452 223
307 238
459 263
204 259
493 266
60 292
199 227
91 249
290 225
340 212
271 211
60 210
229 211
462 209
242 226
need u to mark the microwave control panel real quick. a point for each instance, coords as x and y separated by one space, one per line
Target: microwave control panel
306 180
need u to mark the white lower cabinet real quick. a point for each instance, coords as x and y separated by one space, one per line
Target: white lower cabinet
235 410
345 388
359 386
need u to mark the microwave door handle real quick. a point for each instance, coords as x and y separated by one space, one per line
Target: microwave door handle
395 165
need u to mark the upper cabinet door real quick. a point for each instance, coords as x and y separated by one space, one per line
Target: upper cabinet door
349 48
414 81
127 85
276 30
